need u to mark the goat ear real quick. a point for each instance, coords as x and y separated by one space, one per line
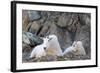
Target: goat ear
74 43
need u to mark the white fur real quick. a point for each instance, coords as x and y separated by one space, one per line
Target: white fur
53 47
76 48
39 51
69 49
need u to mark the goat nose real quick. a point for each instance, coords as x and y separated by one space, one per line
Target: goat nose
44 48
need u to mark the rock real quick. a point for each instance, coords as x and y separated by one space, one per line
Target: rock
25 22
25 39
85 19
28 26
25 56
34 28
53 28
64 20
26 47
33 15
64 38
35 40
62 58
68 22
43 17
51 58
74 26
43 31
46 29
42 59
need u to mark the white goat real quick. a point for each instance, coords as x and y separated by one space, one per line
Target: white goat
76 48
53 47
39 50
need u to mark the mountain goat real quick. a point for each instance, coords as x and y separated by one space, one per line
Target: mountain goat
53 46
39 50
50 46
76 48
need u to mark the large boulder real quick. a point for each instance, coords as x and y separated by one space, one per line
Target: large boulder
33 15
34 27
64 38
25 39
64 20
85 19
25 22
34 40
26 47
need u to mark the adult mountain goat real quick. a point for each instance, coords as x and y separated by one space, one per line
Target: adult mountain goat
76 48
50 46
53 46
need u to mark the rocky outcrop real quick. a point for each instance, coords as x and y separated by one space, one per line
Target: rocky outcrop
33 15
65 20
25 22
67 26
34 28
